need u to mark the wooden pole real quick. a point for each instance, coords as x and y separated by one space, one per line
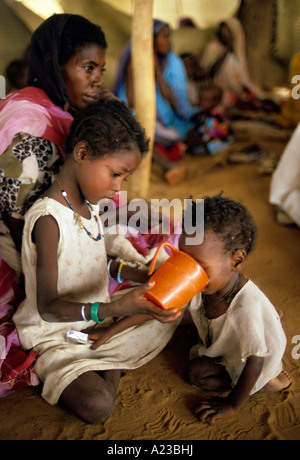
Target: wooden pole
143 89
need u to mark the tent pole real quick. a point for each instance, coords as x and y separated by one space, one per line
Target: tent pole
143 88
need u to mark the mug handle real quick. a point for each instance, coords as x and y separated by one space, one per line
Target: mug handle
153 262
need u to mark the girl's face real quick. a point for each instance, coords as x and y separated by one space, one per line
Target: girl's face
82 76
162 42
102 177
215 261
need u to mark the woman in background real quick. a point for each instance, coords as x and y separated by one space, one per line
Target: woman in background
173 109
225 61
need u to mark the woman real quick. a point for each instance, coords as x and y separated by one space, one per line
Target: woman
224 60
173 109
65 76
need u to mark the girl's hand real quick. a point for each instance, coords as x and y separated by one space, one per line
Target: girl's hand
212 408
135 303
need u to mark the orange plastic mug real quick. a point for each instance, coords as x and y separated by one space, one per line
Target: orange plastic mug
177 280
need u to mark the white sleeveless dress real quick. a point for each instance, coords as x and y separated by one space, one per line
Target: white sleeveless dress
82 277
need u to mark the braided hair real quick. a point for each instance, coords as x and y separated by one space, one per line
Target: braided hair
107 127
231 221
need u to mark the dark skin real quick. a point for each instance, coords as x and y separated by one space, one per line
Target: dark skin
90 396
113 171
226 38
162 46
222 269
103 334
82 76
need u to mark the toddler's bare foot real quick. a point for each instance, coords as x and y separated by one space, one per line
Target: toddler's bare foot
176 175
281 382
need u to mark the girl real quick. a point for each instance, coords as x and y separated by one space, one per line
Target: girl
241 338
67 60
65 268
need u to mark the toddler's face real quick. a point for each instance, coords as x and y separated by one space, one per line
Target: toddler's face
217 263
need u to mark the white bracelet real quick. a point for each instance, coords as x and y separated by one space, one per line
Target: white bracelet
83 314
108 269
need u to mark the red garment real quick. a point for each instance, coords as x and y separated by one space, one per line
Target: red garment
174 152
30 111
16 365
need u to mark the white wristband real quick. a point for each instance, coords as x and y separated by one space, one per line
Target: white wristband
83 314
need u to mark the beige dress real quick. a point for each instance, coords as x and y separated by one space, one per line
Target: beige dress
82 277
251 326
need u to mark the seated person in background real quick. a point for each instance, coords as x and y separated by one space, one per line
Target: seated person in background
225 61
173 110
213 131
16 73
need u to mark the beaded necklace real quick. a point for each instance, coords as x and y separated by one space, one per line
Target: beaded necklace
227 298
77 217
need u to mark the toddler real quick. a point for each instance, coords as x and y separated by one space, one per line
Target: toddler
241 340
213 131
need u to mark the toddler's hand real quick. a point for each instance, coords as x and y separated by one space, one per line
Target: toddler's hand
212 408
100 335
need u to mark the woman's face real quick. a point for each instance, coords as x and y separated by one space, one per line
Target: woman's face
82 75
162 42
226 36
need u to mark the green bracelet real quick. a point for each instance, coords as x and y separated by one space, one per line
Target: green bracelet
94 313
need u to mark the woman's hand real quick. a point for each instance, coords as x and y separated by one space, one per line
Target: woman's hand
212 408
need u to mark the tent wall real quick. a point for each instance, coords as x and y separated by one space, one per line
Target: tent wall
14 37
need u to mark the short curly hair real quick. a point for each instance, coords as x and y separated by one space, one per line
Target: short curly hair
107 126
231 221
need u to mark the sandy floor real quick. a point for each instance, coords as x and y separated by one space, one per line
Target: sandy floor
155 402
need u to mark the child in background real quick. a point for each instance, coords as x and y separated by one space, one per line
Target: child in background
65 266
213 131
241 340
